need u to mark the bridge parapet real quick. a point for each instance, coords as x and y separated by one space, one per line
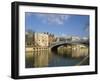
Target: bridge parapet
68 42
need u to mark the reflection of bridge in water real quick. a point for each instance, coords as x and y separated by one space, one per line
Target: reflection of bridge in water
74 46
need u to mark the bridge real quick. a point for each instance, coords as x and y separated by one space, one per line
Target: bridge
53 47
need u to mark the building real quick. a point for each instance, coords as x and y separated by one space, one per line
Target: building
41 39
75 38
51 39
85 38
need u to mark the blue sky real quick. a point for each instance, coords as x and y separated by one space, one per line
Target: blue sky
57 24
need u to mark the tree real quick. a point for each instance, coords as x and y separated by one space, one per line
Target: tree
29 37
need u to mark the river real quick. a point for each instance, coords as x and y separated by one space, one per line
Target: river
45 58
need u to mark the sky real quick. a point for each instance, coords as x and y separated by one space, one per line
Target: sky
57 24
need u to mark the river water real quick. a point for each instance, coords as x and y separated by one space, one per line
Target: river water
45 58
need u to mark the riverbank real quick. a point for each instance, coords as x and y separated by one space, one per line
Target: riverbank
30 49
85 61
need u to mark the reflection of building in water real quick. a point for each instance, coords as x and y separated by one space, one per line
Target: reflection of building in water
41 39
37 59
79 50
74 50
41 59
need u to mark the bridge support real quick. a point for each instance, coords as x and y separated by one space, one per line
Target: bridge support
54 50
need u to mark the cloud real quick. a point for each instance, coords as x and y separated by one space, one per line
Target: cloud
53 18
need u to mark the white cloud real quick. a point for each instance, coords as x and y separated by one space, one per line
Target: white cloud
53 18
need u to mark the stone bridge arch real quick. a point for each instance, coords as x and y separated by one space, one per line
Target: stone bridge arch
54 48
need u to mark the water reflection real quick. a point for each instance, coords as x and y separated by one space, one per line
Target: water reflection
75 51
64 57
37 59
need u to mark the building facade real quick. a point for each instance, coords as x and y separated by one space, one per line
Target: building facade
75 38
51 39
41 39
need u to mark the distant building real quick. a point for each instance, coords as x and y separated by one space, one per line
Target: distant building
85 38
69 38
75 38
41 39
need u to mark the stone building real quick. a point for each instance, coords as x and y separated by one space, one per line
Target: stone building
41 39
